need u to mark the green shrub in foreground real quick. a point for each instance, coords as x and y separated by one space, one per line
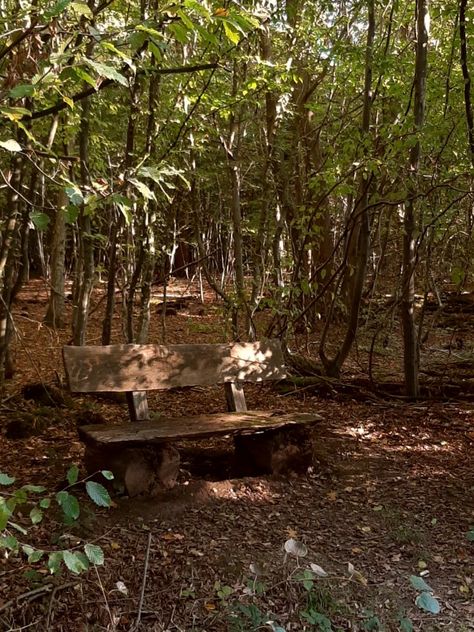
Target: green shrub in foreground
18 539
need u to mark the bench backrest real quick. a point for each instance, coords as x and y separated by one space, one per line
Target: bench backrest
136 369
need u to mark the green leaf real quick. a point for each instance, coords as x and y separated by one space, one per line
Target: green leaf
45 503
22 90
98 494
74 195
124 205
69 504
81 8
80 74
10 145
54 561
406 625
95 554
470 535
231 35
9 542
419 583
14 114
35 489
40 220
20 496
188 23
155 51
74 562
35 556
36 515
71 213
58 8
180 32
142 187
72 475
5 514
426 601
5 479
107 474
108 72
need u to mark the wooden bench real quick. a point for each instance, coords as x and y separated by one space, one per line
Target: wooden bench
142 455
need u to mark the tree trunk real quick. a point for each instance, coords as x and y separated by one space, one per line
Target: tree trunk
84 282
410 342
7 259
466 77
55 315
359 237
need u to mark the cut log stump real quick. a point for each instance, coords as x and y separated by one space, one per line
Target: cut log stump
276 451
140 470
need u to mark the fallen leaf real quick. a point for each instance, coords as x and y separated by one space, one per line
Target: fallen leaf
293 547
172 536
317 570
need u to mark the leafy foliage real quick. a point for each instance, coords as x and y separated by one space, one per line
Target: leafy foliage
75 560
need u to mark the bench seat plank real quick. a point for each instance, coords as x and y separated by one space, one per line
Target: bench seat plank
198 426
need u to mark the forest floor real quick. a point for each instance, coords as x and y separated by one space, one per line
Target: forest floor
390 495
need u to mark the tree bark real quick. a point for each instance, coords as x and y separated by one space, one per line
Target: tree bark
359 239
84 282
410 338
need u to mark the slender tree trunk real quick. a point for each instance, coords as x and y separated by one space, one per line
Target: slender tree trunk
85 282
357 268
8 256
232 149
55 316
111 279
467 77
410 338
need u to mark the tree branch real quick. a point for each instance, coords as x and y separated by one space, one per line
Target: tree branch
62 105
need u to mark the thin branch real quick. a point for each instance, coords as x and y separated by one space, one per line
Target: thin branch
106 83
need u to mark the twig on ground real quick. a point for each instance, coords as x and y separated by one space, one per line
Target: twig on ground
142 593
56 589
109 612
31 595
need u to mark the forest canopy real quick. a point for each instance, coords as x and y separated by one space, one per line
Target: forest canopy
302 156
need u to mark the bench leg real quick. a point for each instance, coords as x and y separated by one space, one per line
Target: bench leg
274 451
140 471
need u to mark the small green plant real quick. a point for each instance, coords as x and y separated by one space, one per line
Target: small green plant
425 600
35 501
371 622
223 592
246 618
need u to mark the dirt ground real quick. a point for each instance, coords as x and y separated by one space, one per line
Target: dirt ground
390 494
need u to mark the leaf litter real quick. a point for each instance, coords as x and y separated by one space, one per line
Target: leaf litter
392 485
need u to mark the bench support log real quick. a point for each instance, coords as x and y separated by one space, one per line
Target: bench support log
139 470
275 451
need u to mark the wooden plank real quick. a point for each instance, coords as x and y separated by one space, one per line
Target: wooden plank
235 396
199 426
159 367
138 406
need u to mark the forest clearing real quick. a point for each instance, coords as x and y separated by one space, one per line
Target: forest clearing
195 195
